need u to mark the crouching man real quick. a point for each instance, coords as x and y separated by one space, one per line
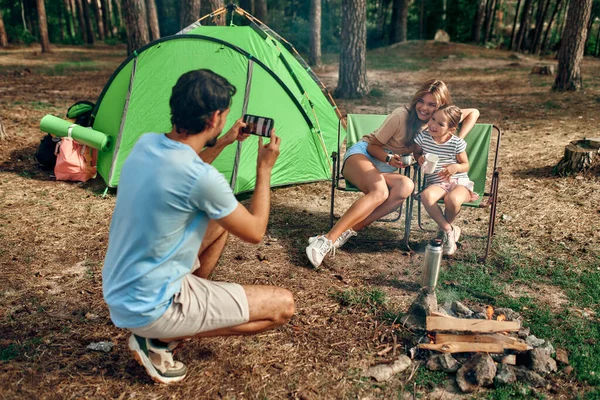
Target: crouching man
170 224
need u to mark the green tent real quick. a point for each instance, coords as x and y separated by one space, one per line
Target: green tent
271 79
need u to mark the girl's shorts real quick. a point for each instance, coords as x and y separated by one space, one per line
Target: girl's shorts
454 182
360 147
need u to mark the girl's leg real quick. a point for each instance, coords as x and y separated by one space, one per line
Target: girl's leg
400 187
429 199
365 176
454 200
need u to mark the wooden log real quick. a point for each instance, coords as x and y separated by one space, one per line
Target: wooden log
3 135
506 341
434 323
461 347
510 359
580 156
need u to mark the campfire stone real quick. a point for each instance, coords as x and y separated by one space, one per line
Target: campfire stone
479 371
424 305
530 377
533 341
508 313
443 362
461 309
524 332
383 372
480 315
548 347
446 309
540 361
562 356
504 375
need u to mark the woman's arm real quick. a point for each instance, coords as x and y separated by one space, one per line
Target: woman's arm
468 120
418 154
375 149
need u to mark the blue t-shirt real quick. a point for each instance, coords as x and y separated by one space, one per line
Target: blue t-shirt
446 152
166 197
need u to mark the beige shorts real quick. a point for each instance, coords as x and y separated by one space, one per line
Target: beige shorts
200 306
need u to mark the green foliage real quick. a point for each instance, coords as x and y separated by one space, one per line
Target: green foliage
429 380
512 392
364 297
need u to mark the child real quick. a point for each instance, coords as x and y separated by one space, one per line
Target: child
449 180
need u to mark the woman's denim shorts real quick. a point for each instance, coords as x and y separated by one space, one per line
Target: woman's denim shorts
360 147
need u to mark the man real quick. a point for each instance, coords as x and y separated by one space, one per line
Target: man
171 221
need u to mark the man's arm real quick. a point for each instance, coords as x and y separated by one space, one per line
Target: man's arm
209 154
250 224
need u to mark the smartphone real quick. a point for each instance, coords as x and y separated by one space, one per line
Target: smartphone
256 125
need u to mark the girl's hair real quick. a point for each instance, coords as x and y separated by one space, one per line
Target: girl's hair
453 113
439 91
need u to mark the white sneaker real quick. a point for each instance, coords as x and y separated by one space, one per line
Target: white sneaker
340 241
157 360
450 239
318 249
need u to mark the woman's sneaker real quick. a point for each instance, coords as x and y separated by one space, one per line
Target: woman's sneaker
157 359
318 249
340 241
450 239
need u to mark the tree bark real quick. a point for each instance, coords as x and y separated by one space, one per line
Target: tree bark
81 20
106 18
422 21
189 12
120 22
524 25
539 28
99 21
514 28
215 5
489 19
352 83
580 156
315 33
260 8
152 20
69 19
136 23
478 22
89 28
44 41
399 21
3 36
572 45
547 34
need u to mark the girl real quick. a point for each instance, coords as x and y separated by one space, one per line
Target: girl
371 165
449 180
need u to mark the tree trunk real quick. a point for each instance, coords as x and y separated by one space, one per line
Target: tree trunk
44 41
597 41
524 25
422 22
511 46
315 33
572 45
189 12
489 20
81 20
89 28
152 19
478 22
69 19
399 21
382 6
99 21
215 5
3 135
134 15
247 5
547 34
106 18
120 22
352 83
539 29
587 37
3 36
261 10
580 156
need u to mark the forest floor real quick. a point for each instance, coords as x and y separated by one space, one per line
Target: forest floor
545 261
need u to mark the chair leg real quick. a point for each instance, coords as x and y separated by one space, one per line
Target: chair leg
333 184
493 201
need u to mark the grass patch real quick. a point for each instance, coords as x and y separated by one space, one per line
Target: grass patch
26 349
551 105
429 380
366 298
512 392
71 67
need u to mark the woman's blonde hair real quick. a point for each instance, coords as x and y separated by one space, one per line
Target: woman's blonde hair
439 91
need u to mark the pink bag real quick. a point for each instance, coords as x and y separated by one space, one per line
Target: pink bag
74 161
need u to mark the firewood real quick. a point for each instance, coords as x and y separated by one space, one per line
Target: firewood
470 325
462 347
510 359
493 338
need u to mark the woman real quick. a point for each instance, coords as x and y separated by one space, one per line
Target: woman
371 164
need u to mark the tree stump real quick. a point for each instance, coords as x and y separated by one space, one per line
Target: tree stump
580 156
3 135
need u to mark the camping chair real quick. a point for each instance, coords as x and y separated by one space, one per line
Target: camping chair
478 146
359 125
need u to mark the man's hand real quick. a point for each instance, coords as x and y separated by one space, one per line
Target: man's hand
235 133
268 153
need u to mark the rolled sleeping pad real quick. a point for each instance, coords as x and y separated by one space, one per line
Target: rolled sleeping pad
83 135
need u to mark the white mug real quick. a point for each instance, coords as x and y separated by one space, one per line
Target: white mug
430 163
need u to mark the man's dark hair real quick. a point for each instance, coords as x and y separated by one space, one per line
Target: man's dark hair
196 96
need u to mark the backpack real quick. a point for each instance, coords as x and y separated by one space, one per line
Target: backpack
81 111
46 151
74 161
